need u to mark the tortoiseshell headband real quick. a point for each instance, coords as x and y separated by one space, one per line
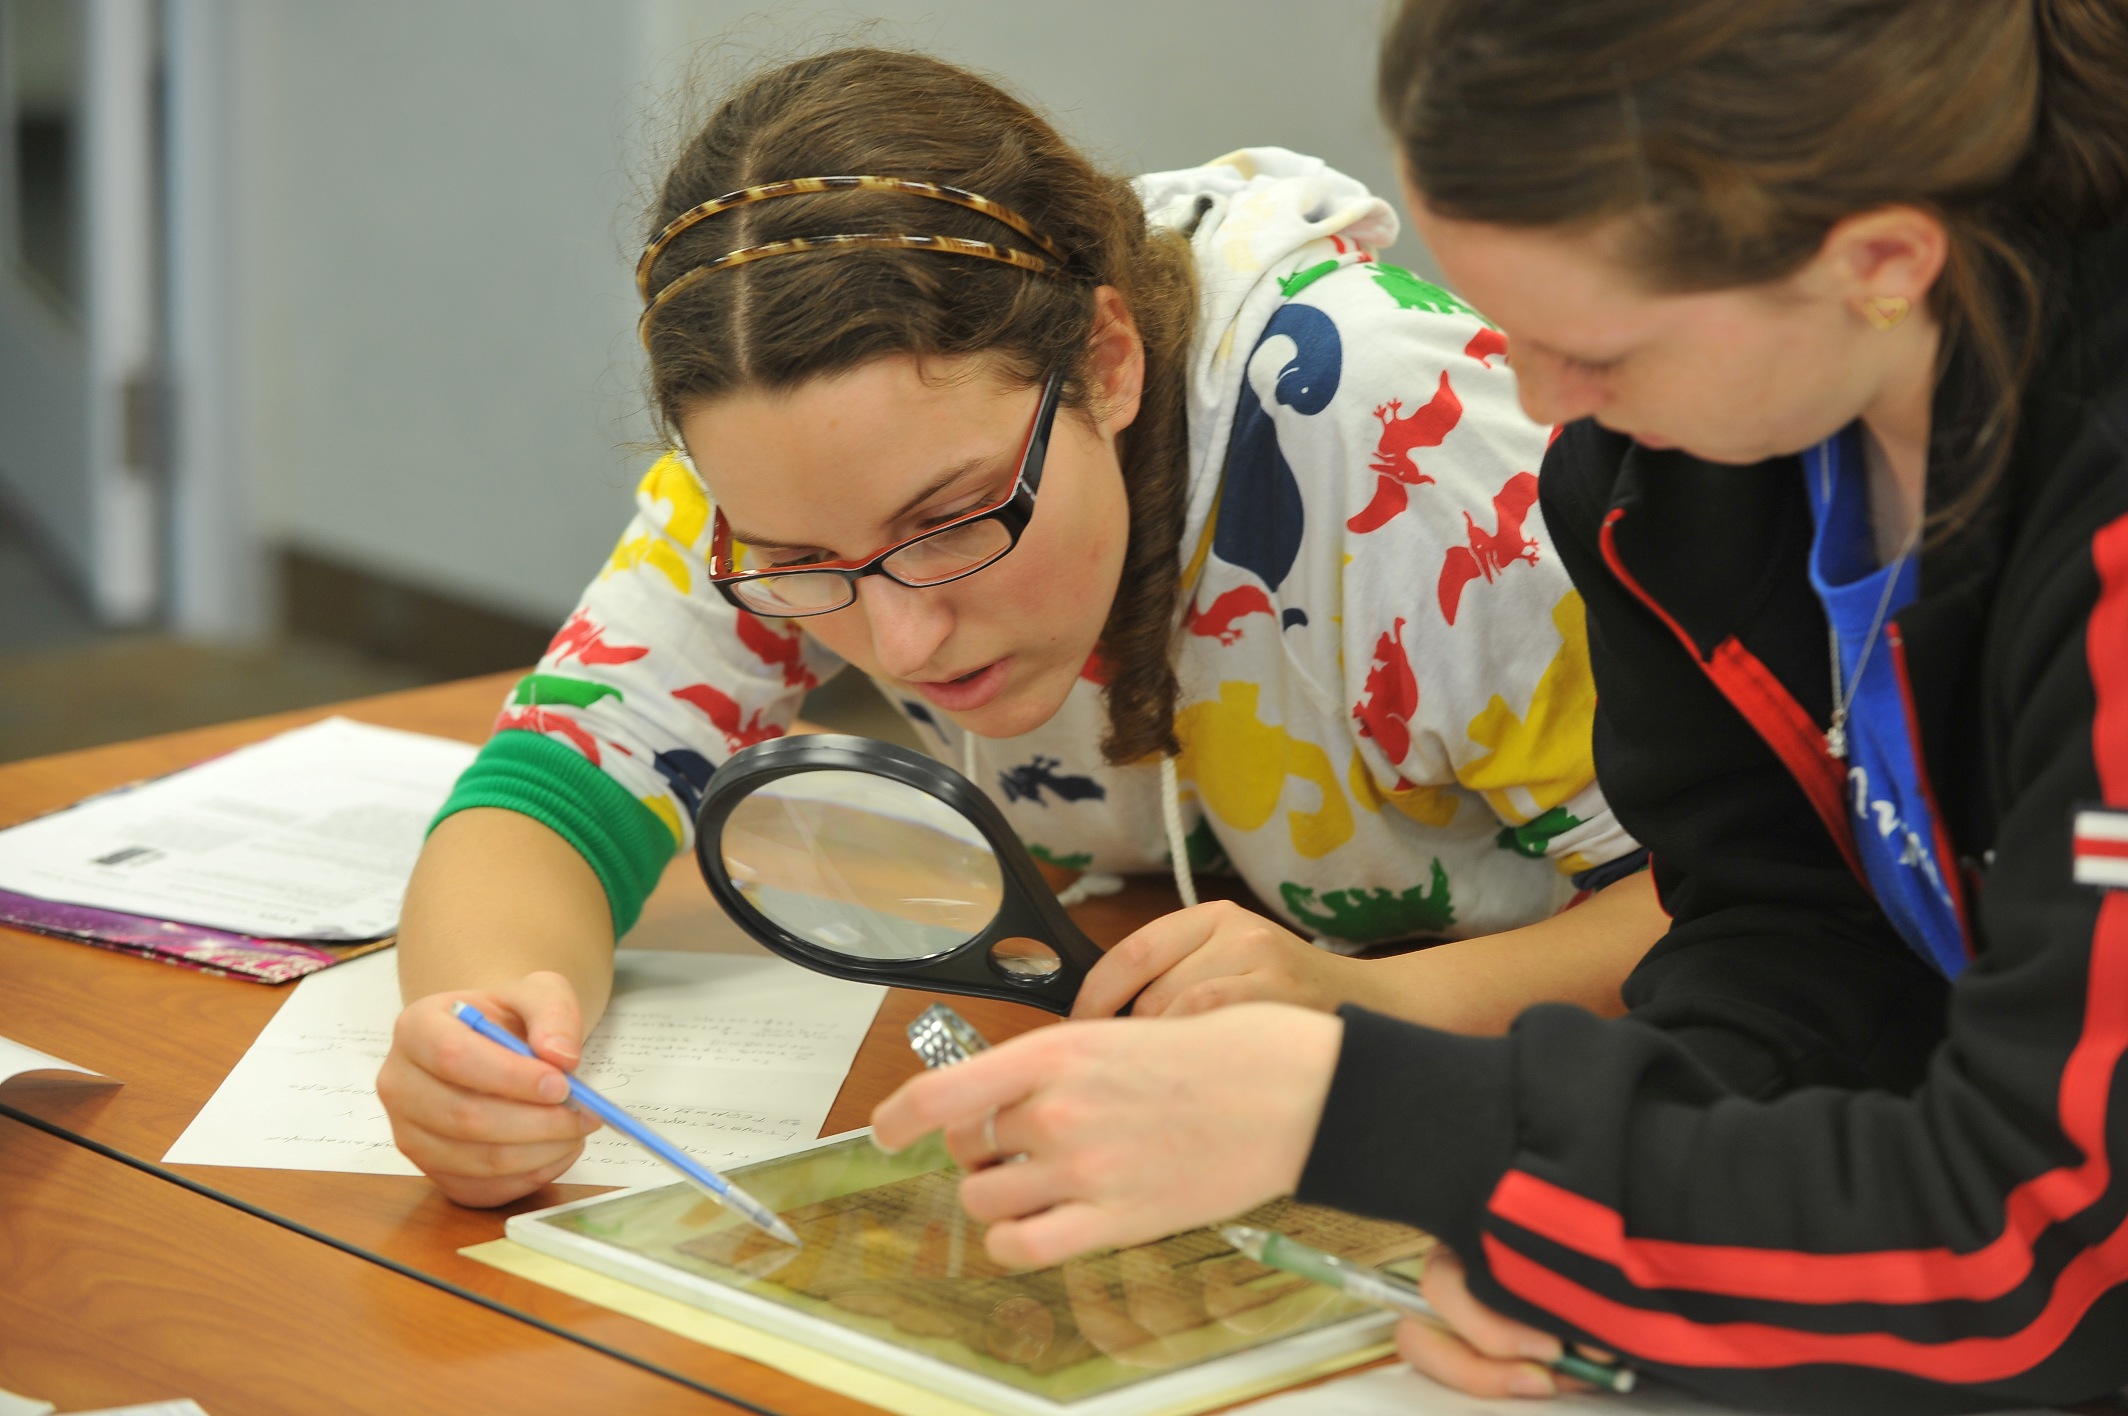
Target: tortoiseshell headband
800 186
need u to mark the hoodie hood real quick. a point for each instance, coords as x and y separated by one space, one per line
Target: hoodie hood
1253 217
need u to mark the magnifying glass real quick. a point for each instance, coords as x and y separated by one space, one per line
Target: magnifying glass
868 861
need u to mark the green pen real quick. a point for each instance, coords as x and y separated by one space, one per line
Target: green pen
1275 1250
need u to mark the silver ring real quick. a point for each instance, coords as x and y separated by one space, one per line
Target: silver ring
993 1152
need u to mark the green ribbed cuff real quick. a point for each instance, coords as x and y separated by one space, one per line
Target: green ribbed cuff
622 839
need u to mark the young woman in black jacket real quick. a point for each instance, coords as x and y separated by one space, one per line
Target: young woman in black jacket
1832 296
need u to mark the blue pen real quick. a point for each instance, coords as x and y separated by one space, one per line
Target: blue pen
759 1215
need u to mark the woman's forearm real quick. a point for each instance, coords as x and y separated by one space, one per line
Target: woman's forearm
496 896
1480 985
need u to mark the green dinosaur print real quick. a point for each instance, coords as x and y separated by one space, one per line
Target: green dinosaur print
1291 285
558 689
1415 294
1077 860
1366 916
1534 838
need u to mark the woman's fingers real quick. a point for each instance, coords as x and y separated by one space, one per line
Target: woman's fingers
437 1106
1449 1360
1018 1190
452 1156
484 1122
1447 1287
549 1016
485 1192
428 1037
1130 966
957 1097
1056 1234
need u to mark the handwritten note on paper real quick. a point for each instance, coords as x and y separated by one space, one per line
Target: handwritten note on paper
731 1056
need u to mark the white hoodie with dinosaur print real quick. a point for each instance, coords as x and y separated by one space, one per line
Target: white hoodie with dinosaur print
1386 700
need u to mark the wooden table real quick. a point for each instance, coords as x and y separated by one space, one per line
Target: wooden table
171 1035
120 1288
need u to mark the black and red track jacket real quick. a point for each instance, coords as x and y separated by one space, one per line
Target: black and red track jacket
1804 1172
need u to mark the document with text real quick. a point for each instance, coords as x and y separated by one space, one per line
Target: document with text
308 835
730 1056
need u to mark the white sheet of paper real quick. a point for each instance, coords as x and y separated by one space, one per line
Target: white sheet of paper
15 1059
309 835
183 1406
731 1056
1399 1391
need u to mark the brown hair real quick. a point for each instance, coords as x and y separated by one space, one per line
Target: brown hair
775 323
1735 133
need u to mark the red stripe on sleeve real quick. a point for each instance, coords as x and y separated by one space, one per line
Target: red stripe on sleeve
1669 1338
1897 1277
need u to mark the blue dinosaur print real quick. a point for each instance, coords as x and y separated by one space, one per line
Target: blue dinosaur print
921 714
1028 781
687 773
1260 516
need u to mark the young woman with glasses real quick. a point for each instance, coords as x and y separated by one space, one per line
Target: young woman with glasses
1197 534
1833 297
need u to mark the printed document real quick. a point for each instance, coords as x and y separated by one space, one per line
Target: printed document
730 1056
309 835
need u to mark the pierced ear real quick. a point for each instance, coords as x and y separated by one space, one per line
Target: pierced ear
1890 254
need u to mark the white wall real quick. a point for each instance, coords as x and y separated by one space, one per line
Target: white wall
443 375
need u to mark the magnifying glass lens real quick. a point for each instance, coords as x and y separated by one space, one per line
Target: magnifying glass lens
862 865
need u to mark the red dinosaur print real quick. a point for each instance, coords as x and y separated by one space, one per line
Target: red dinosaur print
1097 669
1218 621
585 642
778 651
1393 463
1392 697
1489 553
723 711
1486 343
546 720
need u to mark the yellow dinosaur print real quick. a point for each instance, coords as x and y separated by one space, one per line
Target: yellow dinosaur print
1546 752
670 482
655 552
663 809
1429 806
1240 765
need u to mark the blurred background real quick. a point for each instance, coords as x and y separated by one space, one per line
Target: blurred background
317 373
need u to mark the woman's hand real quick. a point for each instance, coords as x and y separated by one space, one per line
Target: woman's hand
1482 1353
1219 953
1124 1132
1213 955
485 1124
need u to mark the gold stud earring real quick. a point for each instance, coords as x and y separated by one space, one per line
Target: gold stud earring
1886 311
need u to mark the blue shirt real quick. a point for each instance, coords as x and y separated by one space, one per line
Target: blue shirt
1895 827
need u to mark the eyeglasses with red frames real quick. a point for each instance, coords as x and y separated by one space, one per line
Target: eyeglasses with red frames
945 553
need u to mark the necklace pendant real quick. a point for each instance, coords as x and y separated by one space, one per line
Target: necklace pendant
1836 740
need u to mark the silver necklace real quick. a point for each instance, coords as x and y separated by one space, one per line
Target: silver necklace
1842 700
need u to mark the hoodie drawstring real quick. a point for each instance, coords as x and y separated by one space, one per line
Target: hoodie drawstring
1178 846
